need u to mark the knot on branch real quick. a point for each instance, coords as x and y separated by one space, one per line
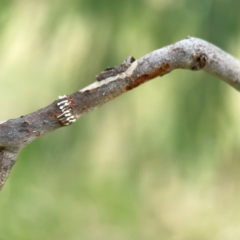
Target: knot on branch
199 61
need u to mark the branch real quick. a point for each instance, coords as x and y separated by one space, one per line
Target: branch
190 53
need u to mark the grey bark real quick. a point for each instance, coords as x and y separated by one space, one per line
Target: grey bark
190 53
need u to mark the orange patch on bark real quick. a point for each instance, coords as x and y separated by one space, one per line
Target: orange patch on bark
146 77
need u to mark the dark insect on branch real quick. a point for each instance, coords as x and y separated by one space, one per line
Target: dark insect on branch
113 71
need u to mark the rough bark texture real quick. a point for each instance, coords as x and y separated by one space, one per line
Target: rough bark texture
190 53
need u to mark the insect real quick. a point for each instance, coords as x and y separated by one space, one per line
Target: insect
113 71
66 117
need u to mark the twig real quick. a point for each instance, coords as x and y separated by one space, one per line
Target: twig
190 53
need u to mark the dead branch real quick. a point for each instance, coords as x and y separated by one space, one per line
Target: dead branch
190 53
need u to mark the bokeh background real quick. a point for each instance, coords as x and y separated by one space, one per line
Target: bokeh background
160 162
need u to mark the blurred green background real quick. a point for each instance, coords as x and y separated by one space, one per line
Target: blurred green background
160 162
